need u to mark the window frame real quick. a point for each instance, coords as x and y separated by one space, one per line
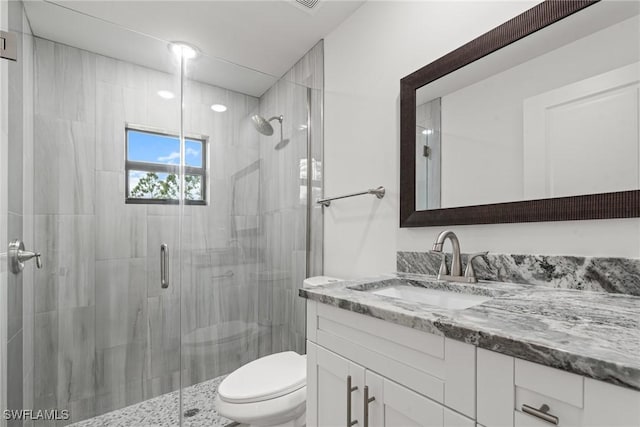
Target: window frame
130 165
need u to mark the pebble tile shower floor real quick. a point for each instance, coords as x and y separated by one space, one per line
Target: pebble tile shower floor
162 411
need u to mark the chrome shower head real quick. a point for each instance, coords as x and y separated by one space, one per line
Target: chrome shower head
263 126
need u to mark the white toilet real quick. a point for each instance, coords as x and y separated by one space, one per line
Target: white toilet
270 391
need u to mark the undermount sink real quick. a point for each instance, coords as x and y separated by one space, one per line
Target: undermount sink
444 299
451 296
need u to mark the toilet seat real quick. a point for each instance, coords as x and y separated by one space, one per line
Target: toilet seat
266 392
278 411
266 378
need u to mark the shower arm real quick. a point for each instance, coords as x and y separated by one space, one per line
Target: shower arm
279 119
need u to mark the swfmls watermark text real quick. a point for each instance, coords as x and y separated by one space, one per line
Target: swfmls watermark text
36 415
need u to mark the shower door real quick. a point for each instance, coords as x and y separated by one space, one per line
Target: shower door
254 238
105 165
221 330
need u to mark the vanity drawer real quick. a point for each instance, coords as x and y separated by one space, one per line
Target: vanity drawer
505 384
566 414
537 385
549 382
604 405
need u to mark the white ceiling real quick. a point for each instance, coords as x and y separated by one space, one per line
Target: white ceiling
246 44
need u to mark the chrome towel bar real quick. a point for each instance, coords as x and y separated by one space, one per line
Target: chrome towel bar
378 192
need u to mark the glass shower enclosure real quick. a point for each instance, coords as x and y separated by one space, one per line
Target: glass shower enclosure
173 235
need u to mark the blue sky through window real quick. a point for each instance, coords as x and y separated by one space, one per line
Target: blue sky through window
163 149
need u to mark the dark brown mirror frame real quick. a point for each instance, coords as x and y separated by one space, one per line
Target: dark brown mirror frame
623 204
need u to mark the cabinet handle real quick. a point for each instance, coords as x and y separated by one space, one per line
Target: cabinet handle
350 390
367 400
542 413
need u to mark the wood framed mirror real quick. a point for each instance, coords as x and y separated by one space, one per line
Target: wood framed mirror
536 120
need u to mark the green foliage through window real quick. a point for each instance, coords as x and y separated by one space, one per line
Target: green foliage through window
151 186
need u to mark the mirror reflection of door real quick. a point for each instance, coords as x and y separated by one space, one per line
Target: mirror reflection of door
584 137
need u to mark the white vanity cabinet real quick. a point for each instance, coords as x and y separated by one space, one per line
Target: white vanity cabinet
506 385
380 374
377 373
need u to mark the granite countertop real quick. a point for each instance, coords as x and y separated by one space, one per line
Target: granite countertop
595 334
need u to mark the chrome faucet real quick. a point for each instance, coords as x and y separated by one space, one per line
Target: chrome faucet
456 263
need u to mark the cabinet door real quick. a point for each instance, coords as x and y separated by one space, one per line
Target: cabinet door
404 408
495 389
329 399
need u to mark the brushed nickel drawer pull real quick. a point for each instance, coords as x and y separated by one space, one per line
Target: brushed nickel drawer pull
350 390
542 413
367 400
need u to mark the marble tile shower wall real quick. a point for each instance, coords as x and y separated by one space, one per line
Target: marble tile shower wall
19 380
107 336
283 202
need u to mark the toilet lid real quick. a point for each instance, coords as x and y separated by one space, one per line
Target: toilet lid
265 378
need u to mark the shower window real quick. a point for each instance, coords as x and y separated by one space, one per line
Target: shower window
152 167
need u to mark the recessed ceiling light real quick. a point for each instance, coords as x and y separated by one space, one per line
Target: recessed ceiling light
427 132
165 94
183 50
219 108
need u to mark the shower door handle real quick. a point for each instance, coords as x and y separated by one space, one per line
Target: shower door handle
164 266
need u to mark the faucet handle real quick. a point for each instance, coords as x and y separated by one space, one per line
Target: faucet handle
469 272
27 255
17 256
443 271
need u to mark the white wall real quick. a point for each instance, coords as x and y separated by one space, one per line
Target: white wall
365 58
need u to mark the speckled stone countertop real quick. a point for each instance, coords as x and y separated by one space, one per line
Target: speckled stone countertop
595 334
